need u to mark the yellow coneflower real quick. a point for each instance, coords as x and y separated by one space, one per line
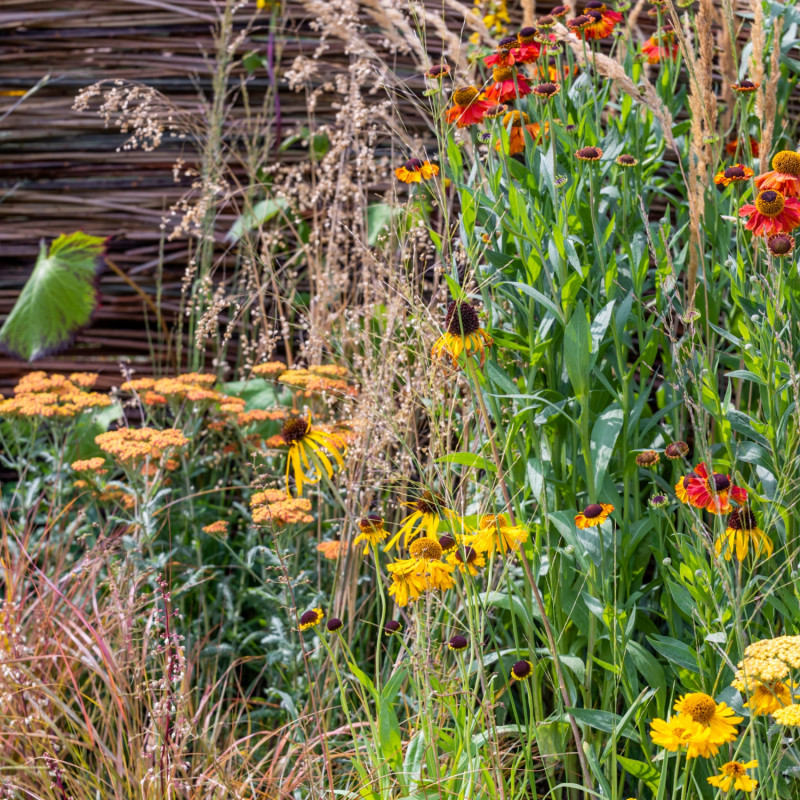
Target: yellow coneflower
593 514
463 334
304 441
496 534
372 531
311 619
718 718
741 531
429 510
733 774
680 733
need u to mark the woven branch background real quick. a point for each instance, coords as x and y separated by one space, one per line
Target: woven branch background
61 170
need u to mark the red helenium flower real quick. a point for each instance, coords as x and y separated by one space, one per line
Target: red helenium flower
507 85
468 108
711 491
772 213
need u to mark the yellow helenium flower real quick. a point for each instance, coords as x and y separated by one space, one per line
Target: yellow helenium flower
769 697
718 718
733 774
742 530
426 517
467 559
680 732
304 440
372 531
495 533
463 334
405 584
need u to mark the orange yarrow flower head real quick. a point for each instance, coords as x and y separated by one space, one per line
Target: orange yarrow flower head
738 173
131 445
594 514
415 170
784 177
463 334
468 107
772 213
712 491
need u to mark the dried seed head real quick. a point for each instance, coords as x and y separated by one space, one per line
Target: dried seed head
462 319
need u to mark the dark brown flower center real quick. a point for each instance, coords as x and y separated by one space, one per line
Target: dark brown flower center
438 71
392 626
447 542
719 482
559 11
742 519
497 110
294 429
458 643
528 32
578 22
747 85
546 89
780 244
309 618
676 449
507 42
734 172
521 669
588 153
468 556
770 203
462 319
593 510
413 165
594 16
596 5
426 504
371 523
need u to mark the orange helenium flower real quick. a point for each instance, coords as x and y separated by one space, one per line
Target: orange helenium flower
772 213
710 491
784 177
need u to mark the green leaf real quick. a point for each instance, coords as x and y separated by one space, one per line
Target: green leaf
605 433
606 721
577 350
677 652
260 213
646 773
58 298
389 732
467 460
379 217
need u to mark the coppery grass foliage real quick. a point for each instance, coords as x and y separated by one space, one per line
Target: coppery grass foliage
500 500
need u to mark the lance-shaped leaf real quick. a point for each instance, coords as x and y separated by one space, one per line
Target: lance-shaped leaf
58 298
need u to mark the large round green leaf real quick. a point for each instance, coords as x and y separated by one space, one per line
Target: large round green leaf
58 298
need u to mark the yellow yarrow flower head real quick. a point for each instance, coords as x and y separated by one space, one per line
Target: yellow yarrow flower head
789 716
679 733
733 774
309 448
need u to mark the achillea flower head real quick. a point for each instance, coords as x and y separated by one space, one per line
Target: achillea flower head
53 397
784 177
738 173
594 514
788 716
772 213
734 775
415 170
131 445
710 490
468 107
95 465
741 531
218 528
269 369
311 619
309 451
331 550
769 660
372 532
287 511
780 245
463 334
